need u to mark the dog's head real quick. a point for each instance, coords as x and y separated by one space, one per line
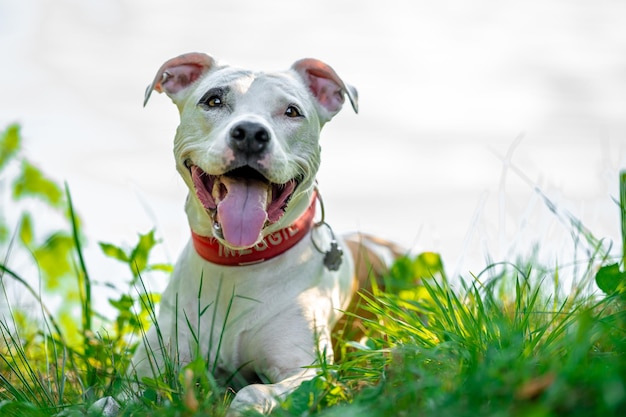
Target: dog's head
247 144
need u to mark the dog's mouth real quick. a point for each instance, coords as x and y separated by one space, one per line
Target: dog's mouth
241 202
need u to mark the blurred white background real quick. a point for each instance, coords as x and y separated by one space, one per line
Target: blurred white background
447 90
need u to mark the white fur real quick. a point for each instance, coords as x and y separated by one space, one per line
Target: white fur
273 318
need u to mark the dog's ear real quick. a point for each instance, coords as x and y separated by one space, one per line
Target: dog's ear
326 86
179 73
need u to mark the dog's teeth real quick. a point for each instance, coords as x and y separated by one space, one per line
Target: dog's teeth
217 229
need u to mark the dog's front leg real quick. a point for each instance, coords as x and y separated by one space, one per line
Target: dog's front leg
263 398
288 356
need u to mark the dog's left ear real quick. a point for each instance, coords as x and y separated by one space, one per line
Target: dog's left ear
178 73
326 86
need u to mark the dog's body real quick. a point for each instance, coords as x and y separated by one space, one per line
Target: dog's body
260 286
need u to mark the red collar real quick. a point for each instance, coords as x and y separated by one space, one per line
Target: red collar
211 250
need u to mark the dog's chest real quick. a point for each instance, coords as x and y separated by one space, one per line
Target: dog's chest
237 314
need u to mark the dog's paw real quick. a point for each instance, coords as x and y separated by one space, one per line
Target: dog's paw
257 397
105 407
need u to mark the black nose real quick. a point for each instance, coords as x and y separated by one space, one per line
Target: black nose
249 137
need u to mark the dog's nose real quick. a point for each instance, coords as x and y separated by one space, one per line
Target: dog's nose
249 137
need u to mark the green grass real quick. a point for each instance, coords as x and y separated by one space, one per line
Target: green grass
505 342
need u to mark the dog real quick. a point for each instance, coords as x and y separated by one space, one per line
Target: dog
261 283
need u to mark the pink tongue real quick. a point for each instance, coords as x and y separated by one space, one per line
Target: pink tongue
242 213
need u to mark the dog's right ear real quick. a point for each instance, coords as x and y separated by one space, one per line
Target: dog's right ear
179 73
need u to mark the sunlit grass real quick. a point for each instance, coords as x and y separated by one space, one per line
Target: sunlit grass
503 342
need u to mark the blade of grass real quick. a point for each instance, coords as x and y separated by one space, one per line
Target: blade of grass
83 274
622 194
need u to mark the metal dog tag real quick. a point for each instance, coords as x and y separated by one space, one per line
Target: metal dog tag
333 257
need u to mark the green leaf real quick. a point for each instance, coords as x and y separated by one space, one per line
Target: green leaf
9 144
32 182
150 394
400 275
427 265
20 408
4 232
114 252
125 303
26 229
54 259
307 397
161 267
139 255
610 279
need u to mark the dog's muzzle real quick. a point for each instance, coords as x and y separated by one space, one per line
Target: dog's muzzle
241 202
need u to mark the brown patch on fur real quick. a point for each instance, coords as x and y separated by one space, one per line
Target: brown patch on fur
372 257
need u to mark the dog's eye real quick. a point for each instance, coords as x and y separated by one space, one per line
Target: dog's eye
213 98
214 101
293 111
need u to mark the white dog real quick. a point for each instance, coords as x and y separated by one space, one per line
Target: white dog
258 288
